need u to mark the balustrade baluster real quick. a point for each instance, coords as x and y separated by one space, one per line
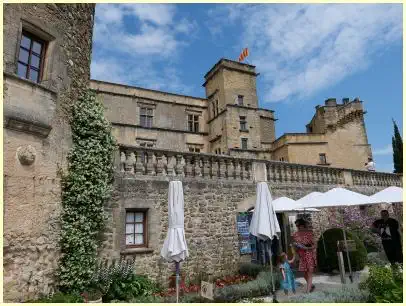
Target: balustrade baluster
229 172
179 167
128 165
150 163
139 162
214 168
300 174
222 168
248 170
197 169
122 161
188 166
294 173
160 171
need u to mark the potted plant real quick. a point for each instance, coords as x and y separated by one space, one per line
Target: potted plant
92 296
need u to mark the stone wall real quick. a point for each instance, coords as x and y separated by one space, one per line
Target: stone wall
211 208
37 139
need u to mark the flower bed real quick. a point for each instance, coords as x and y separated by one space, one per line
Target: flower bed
219 283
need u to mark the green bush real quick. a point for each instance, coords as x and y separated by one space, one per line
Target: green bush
329 263
347 294
261 286
250 269
147 299
385 284
126 289
60 297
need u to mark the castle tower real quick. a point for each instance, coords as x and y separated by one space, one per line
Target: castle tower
236 124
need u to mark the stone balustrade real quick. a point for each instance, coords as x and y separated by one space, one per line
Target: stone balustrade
141 161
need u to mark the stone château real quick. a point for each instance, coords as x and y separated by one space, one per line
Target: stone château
219 146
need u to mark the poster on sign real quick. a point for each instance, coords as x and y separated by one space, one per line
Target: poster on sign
206 290
244 237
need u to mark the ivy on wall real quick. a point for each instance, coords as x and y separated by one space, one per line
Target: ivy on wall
85 188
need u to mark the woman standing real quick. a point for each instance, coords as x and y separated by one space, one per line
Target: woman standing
304 244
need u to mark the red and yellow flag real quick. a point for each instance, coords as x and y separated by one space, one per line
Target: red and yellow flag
243 55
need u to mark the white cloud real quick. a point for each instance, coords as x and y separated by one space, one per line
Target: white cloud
137 44
302 49
388 150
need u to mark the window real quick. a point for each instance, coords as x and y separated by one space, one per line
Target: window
281 159
136 228
193 123
30 57
214 109
243 123
244 143
194 149
240 100
146 116
323 159
217 107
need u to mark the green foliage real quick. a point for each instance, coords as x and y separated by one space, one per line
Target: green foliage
347 294
261 286
147 299
397 146
85 188
129 287
328 263
377 259
250 269
60 297
385 284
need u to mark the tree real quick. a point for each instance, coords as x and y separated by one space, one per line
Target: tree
397 145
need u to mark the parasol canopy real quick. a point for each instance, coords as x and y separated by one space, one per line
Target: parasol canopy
175 248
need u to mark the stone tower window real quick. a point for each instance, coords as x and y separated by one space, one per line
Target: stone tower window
323 158
244 143
243 123
146 117
193 123
31 57
136 228
240 100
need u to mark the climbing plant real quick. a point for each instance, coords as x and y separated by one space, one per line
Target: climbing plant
86 186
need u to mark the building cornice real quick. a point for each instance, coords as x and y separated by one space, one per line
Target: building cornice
137 126
145 98
147 89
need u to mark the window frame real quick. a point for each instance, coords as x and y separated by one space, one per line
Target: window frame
240 100
148 118
144 224
244 139
40 70
243 123
193 123
321 156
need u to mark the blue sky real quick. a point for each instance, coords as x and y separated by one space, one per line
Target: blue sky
304 53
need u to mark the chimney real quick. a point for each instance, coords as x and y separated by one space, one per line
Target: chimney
331 102
346 100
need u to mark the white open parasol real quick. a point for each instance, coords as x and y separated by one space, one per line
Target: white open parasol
175 248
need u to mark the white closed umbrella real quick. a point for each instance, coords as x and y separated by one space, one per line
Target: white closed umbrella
264 223
175 247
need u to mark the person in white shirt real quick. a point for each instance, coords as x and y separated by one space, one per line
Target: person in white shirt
370 165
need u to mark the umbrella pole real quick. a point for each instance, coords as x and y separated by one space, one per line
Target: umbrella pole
177 265
346 248
272 279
